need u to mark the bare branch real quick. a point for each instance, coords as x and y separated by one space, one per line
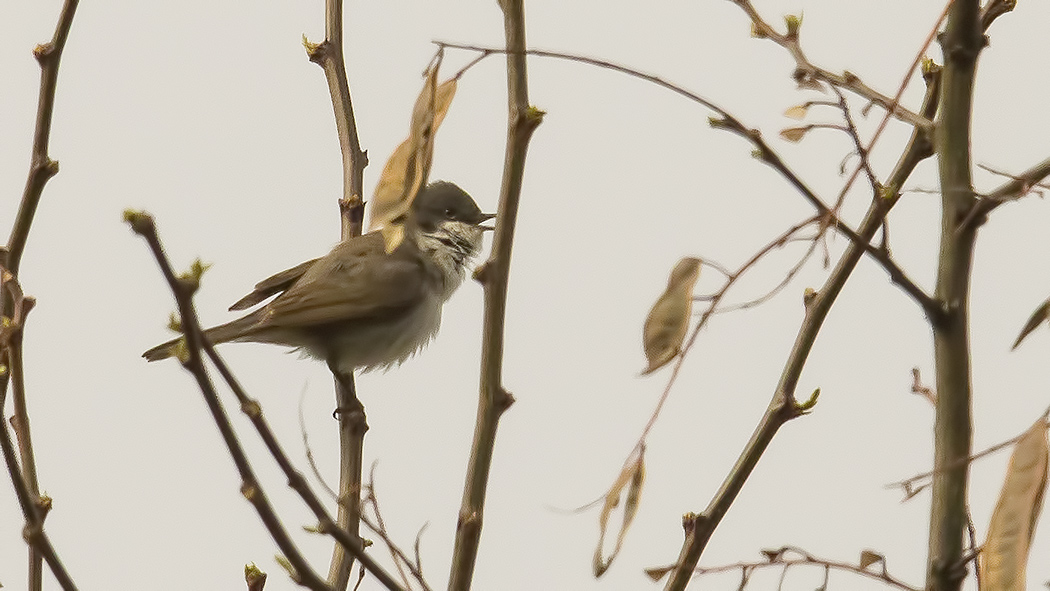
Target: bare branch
807 71
699 527
41 167
493 399
350 412
781 559
34 507
1018 186
182 288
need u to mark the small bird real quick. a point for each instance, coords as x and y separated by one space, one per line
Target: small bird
359 306
668 320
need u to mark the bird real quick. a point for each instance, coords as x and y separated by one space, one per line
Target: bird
668 320
360 307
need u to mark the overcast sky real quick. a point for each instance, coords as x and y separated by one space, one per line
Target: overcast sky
209 115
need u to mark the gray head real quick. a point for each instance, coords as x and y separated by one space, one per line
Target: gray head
449 225
441 202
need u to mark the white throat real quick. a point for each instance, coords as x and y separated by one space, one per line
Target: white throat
451 246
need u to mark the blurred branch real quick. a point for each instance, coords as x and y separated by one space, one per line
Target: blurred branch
916 484
350 411
780 558
961 43
378 526
493 274
41 167
1018 186
700 527
993 9
807 72
23 479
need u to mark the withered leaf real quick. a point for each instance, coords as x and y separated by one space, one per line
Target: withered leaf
794 134
868 558
668 320
797 111
1004 558
407 169
631 477
1041 314
658 573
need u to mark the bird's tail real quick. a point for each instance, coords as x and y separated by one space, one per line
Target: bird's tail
222 333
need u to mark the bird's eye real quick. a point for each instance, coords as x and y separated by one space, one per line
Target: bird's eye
449 213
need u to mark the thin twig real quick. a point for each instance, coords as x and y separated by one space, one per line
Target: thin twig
776 559
379 528
807 71
913 485
33 507
41 167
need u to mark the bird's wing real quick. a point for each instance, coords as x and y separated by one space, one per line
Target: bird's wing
357 280
273 284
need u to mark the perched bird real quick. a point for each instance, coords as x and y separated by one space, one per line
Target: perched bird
359 306
668 319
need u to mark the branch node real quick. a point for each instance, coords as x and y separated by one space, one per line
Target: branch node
315 51
804 408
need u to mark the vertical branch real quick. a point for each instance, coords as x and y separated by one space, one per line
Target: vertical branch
961 43
493 399
23 479
41 169
352 420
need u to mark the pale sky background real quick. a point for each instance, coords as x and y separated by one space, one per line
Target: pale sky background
209 115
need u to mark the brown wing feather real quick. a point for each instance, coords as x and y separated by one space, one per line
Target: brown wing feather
356 280
273 284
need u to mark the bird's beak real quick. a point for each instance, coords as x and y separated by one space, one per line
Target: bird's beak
484 218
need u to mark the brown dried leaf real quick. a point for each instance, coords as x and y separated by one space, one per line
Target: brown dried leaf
794 134
773 555
797 112
1004 557
658 573
1041 314
406 172
668 321
631 477
868 558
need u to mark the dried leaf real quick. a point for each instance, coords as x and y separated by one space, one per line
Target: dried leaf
408 167
1004 557
631 477
773 555
797 112
1041 314
868 558
668 320
658 573
794 134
